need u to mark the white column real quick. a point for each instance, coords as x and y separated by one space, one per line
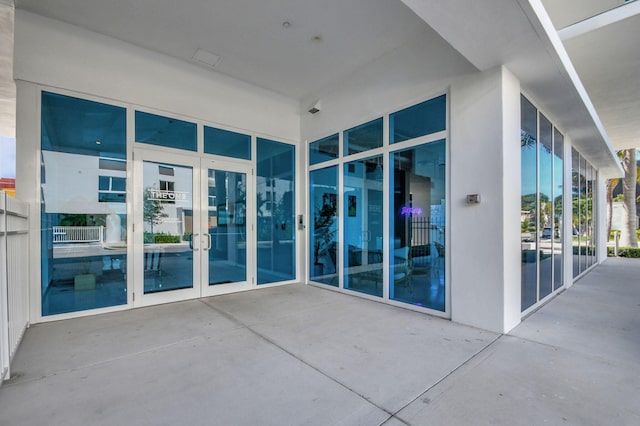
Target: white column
485 237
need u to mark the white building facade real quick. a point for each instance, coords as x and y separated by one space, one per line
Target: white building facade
408 184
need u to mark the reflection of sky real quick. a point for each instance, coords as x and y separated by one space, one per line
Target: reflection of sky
529 172
7 157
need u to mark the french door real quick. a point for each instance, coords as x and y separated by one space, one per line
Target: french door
193 231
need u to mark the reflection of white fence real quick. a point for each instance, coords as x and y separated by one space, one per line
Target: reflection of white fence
78 234
14 278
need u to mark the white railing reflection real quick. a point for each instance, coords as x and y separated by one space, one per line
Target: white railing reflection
78 234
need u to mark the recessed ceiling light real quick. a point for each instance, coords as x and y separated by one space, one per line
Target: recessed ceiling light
316 38
98 143
286 24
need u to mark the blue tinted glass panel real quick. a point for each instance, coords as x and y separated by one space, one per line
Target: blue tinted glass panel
558 185
112 197
83 222
168 228
227 227
364 137
118 184
576 183
104 183
165 131
418 226
275 206
324 149
363 221
545 207
529 203
323 190
227 143
78 126
419 120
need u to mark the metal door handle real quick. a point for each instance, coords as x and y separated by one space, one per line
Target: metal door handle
208 242
191 242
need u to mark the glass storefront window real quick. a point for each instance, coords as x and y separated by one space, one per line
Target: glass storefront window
363 137
558 187
165 131
542 159
324 149
363 236
275 204
545 207
323 193
418 120
418 225
227 143
83 209
575 207
529 203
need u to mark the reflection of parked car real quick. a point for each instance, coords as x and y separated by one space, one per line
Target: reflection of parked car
546 233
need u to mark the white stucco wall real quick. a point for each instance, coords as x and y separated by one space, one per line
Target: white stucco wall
485 238
64 56
423 68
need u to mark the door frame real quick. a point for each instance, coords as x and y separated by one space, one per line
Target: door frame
200 164
140 156
208 163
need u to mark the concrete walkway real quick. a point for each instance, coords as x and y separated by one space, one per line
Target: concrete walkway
302 355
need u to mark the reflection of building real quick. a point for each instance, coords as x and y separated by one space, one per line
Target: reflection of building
83 184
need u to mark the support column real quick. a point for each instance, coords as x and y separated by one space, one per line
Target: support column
485 237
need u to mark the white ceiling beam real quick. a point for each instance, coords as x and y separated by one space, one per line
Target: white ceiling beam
606 18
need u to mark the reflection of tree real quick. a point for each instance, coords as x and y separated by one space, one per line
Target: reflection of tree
153 211
527 140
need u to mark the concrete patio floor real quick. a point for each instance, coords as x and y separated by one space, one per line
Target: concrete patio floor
298 354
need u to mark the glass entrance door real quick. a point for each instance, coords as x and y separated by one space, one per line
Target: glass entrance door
228 250
191 230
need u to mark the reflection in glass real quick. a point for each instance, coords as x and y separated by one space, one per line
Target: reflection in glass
227 227
417 267
529 200
545 207
363 236
324 149
83 210
275 211
584 229
558 185
418 120
165 131
227 143
575 201
323 192
168 227
363 137
592 214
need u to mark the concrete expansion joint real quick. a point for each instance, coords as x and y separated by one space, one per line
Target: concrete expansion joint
443 378
296 357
